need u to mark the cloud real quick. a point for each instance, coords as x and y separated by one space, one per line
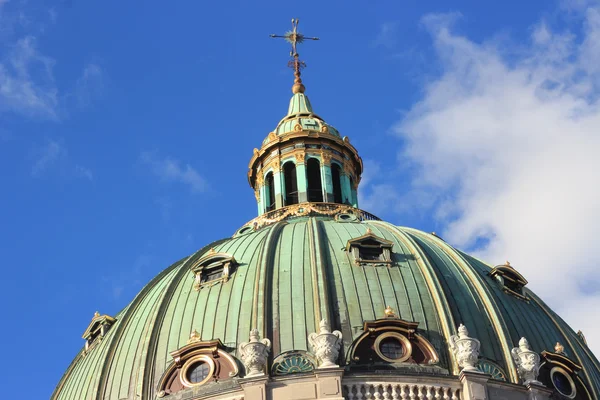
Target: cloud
84 172
505 143
53 155
170 170
89 85
387 35
27 84
47 156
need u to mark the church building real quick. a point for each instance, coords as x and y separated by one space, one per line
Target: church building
316 298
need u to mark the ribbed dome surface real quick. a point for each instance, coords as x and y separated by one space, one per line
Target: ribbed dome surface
291 274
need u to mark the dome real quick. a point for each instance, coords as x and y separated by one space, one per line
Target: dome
294 272
318 299
300 116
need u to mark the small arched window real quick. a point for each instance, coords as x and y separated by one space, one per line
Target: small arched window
291 184
313 174
270 192
337 184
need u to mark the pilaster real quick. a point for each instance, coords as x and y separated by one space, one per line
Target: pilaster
329 382
301 178
538 392
474 385
327 182
346 189
255 388
278 181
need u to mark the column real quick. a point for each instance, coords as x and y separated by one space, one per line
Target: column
346 189
301 182
279 188
354 197
326 181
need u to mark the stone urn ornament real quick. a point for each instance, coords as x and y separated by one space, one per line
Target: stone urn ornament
527 361
326 345
254 354
465 349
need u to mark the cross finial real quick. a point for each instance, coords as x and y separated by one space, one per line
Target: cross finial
294 38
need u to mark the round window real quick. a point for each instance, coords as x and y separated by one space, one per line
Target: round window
562 382
391 348
198 372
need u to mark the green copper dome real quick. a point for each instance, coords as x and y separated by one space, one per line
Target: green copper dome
294 272
300 116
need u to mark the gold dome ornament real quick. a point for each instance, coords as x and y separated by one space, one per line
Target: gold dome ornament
194 337
389 312
559 348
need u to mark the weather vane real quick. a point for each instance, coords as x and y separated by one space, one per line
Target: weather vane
294 38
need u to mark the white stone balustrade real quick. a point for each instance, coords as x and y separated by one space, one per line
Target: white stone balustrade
399 391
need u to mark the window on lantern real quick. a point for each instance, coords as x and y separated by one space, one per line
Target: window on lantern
213 268
370 249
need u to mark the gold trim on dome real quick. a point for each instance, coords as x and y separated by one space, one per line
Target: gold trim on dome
272 136
324 129
297 128
302 209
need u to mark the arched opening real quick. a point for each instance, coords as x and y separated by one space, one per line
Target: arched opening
291 184
270 192
313 174
337 184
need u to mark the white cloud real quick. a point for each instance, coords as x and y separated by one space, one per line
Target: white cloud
170 170
507 149
89 84
47 156
27 85
84 172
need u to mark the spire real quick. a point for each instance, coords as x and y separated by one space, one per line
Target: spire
294 38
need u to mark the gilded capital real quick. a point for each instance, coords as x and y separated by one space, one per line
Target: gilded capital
326 157
300 157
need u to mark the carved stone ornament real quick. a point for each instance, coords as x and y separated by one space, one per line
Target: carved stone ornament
465 349
324 129
326 345
254 354
527 361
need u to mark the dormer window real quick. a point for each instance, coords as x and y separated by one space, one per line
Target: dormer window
212 269
97 329
370 249
510 280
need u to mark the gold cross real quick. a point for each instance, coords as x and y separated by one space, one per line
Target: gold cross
294 38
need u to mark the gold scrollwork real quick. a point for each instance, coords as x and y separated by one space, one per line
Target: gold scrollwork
297 128
272 136
300 157
324 129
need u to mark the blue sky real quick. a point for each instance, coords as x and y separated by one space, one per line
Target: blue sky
125 135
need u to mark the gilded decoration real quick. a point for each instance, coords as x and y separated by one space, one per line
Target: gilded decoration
326 157
324 129
272 136
297 128
389 312
257 195
305 209
300 157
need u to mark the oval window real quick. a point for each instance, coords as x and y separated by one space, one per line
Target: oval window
562 382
